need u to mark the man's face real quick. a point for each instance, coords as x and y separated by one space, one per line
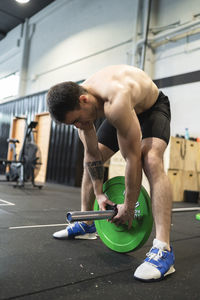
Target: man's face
82 118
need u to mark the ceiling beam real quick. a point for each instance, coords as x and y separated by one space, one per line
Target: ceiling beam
2 33
11 15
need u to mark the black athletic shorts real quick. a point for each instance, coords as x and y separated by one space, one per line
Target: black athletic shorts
154 122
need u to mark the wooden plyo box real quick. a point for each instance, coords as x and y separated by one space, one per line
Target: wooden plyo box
42 137
190 180
177 153
184 155
183 180
117 166
192 157
175 177
198 157
198 174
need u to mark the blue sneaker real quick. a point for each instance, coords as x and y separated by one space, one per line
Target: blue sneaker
77 230
158 264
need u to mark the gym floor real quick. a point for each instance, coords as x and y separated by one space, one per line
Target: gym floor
33 265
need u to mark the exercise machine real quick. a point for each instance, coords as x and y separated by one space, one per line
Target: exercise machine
27 165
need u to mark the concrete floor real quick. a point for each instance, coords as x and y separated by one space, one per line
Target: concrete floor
33 265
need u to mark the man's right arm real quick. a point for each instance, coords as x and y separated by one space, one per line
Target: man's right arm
93 163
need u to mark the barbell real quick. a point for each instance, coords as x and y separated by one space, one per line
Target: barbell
119 238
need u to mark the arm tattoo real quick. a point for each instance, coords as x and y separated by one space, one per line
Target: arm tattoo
95 169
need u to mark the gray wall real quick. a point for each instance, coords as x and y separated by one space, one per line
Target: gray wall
76 38
71 39
179 57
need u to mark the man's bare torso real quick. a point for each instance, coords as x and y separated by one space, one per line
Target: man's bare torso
141 90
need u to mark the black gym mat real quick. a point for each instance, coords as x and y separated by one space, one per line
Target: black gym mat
33 265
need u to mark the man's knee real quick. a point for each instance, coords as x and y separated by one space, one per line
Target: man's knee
152 163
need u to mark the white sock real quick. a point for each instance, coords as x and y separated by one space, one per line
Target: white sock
159 244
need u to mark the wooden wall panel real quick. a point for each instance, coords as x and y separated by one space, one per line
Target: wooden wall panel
17 132
42 137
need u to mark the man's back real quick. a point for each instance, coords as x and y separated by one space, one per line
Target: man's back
106 83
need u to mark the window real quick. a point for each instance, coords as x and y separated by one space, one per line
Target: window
9 86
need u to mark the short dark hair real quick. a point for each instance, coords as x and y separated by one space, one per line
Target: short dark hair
62 98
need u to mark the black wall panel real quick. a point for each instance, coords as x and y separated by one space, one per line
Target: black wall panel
65 149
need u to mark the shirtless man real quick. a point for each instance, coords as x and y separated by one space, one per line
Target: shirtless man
138 123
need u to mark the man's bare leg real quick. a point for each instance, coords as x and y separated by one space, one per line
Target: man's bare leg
161 192
160 259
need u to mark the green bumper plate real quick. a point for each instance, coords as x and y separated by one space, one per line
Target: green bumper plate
198 216
119 238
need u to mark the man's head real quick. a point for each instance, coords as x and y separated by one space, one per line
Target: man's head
63 98
70 103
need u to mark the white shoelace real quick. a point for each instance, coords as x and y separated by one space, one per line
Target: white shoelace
73 225
154 256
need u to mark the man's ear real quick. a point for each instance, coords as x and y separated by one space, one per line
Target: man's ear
83 99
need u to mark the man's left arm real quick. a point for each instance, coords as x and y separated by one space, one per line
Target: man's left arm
124 118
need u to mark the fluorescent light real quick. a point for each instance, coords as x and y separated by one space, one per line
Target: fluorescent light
22 1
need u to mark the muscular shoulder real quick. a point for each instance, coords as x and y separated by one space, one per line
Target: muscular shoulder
112 80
